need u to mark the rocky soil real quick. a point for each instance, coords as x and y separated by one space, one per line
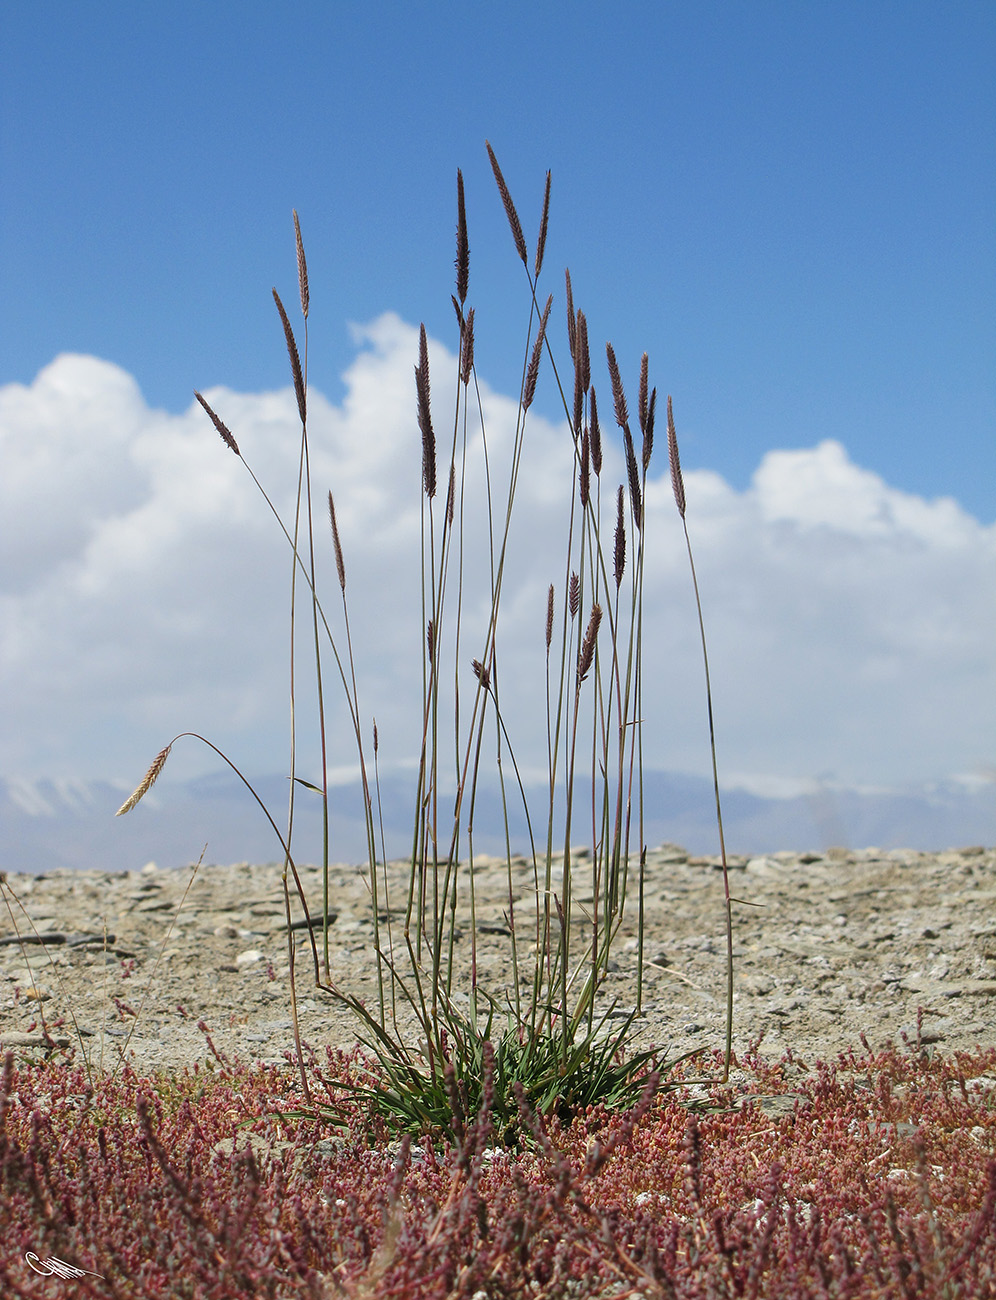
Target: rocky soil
827 948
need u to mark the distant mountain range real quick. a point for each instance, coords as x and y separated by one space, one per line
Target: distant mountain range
48 824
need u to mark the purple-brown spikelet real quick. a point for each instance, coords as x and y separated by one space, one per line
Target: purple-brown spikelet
339 565
549 617
584 472
572 323
146 783
295 360
302 268
462 262
376 738
596 433
222 428
451 495
529 388
644 385
648 432
636 496
574 595
618 396
430 640
481 673
582 368
467 349
619 557
510 212
544 220
587 652
425 416
677 482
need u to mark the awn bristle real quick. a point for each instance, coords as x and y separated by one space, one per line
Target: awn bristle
571 319
147 782
549 618
302 268
339 565
596 434
222 428
425 416
587 652
618 396
510 212
636 496
677 482
529 389
463 247
544 220
574 595
620 548
648 432
295 360
467 348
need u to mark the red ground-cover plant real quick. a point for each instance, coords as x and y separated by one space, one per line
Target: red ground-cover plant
874 1176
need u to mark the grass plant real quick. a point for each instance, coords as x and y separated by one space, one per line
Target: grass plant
550 1030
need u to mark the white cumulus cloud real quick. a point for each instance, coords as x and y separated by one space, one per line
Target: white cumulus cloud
145 587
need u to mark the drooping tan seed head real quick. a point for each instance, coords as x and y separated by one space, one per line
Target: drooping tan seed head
302 268
146 783
222 428
510 212
677 482
295 360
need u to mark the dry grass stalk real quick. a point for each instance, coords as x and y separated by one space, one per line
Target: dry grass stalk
146 783
295 360
510 212
219 424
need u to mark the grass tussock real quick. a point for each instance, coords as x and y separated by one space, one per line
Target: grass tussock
550 1033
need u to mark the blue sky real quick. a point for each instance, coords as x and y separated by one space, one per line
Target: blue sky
789 206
